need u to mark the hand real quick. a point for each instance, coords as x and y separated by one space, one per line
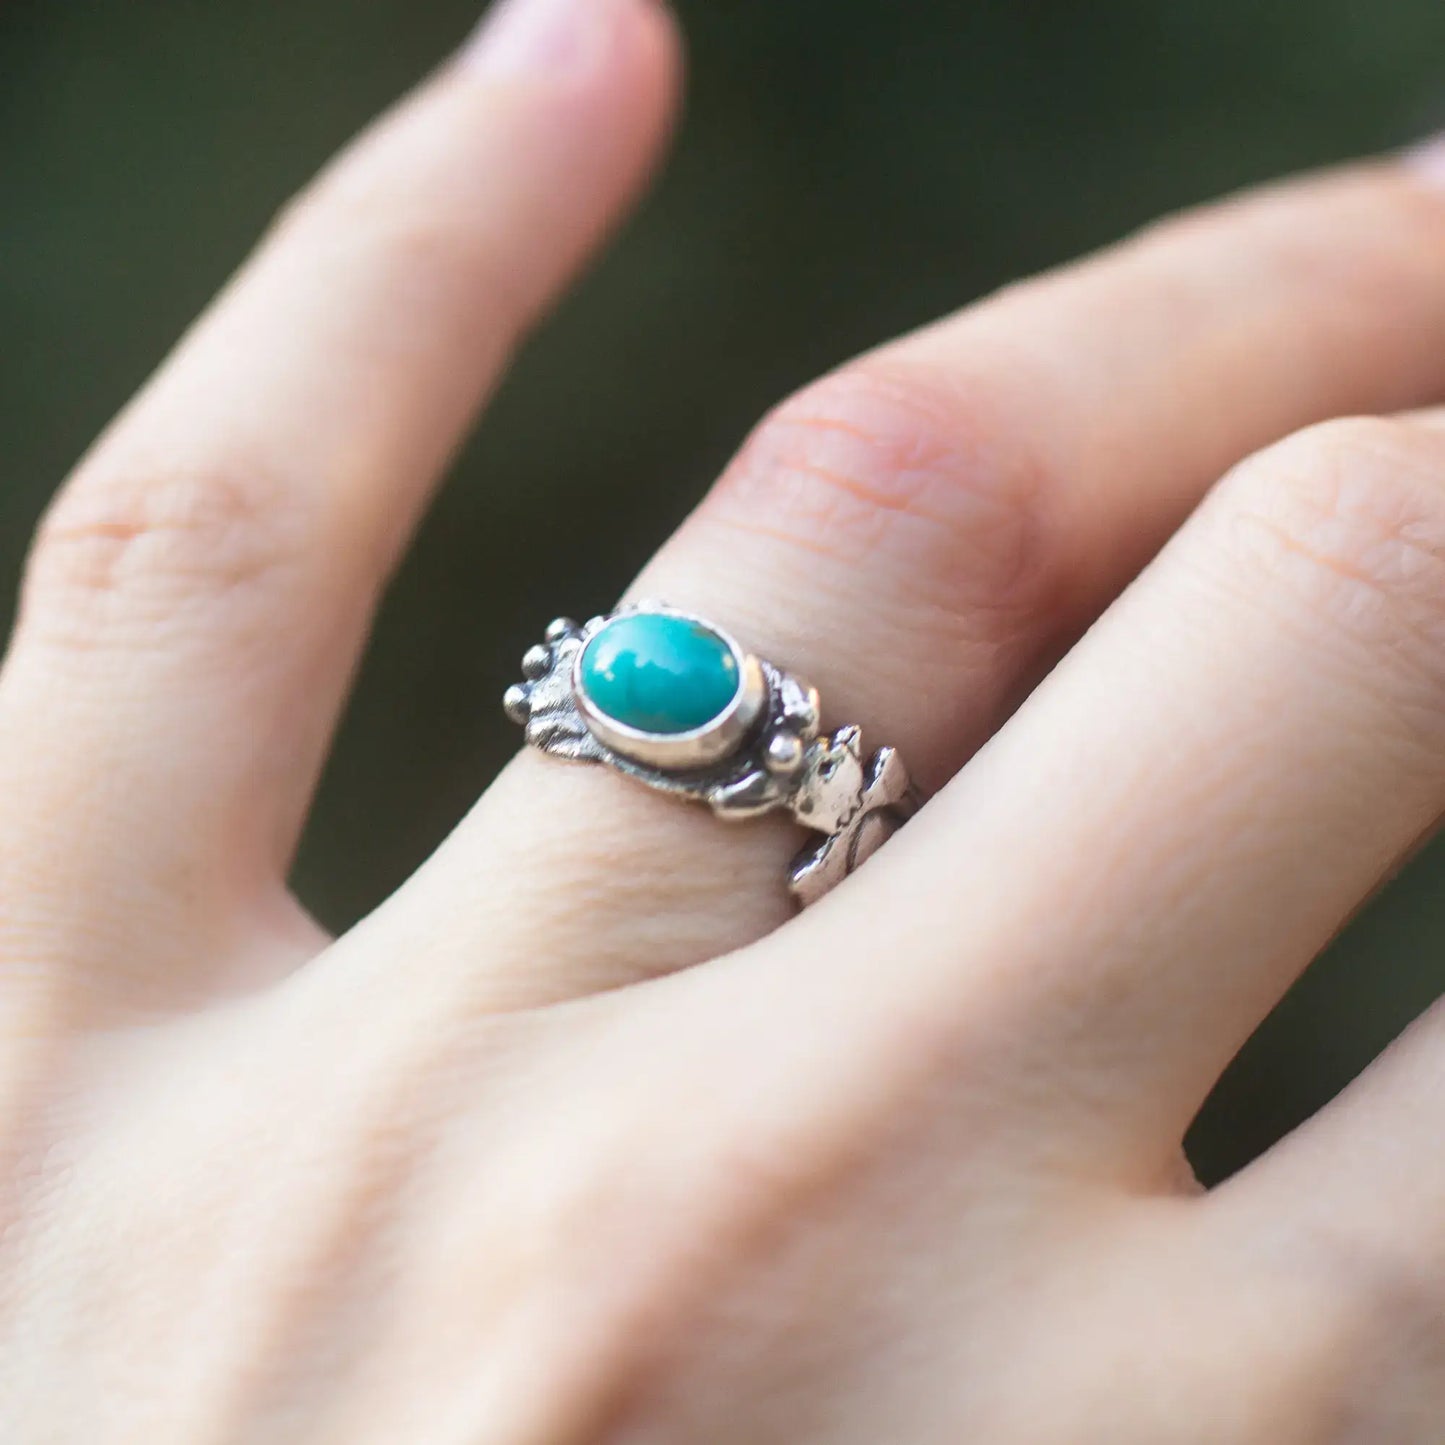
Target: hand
569 1141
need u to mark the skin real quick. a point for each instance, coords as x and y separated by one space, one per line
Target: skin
570 1141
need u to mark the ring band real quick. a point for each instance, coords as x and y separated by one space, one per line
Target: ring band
673 701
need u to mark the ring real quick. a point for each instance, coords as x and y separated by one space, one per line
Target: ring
675 702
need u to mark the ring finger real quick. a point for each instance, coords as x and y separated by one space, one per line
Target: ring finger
922 533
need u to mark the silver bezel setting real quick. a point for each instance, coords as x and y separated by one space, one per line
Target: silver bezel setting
765 752
685 751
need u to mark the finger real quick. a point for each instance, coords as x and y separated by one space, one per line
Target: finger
1363 1187
1354 1201
922 533
198 596
1112 896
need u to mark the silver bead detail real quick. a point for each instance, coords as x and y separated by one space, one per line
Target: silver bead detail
784 754
516 703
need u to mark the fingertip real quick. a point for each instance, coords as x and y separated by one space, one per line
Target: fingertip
1426 161
569 43
648 67
661 37
602 76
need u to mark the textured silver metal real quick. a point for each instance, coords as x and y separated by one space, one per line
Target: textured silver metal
765 753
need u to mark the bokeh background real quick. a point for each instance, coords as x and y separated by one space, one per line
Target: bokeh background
847 169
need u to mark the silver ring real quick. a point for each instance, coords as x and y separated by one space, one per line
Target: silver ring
675 702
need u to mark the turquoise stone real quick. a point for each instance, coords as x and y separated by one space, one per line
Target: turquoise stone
659 674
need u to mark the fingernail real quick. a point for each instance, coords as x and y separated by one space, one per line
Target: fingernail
1427 160
518 37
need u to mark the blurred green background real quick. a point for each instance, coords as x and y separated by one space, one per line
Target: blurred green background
847 169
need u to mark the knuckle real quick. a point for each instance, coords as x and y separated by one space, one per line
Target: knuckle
883 461
1350 515
144 549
